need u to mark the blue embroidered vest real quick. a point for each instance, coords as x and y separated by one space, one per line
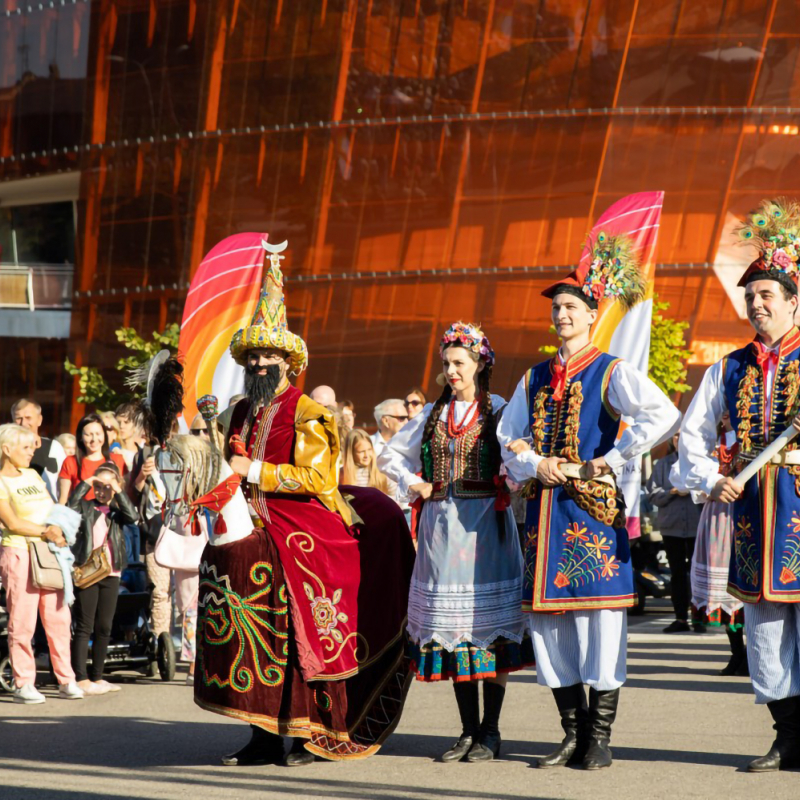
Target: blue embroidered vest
577 554
765 558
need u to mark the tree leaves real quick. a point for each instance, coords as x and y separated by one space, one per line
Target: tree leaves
95 390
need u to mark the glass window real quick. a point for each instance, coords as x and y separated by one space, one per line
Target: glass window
38 234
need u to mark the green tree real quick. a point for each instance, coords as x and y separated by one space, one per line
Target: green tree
668 353
96 391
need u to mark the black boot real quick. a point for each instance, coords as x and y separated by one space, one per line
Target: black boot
298 756
263 748
488 745
602 713
785 750
738 653
468 710
571 702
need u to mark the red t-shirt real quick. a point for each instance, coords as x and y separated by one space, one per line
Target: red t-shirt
69 470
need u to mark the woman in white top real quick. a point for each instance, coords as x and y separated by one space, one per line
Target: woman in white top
464 612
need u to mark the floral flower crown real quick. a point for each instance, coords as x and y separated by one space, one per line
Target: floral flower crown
614 271
470 337
775 230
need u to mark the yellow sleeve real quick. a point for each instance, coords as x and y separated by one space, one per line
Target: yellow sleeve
312 461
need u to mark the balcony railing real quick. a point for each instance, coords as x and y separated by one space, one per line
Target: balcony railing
36 286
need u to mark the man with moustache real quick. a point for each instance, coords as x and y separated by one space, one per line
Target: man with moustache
759 385
294 636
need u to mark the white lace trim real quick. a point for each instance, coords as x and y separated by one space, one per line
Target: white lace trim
452 614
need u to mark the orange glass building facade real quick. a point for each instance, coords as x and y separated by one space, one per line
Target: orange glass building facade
428 160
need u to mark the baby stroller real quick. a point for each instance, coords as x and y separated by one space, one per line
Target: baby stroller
6 678
133 645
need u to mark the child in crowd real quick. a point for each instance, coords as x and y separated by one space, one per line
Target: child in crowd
360 465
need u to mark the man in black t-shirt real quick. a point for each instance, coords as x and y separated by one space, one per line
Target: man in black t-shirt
49 455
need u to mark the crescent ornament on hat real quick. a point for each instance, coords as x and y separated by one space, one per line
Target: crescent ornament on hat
268 327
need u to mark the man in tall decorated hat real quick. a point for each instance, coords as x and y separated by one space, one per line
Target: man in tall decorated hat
561 435
759 386
302 613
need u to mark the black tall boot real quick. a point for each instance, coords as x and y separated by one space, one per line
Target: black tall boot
785 750
298 756
488 745
738 660
571 702
263 748
469 711
602 713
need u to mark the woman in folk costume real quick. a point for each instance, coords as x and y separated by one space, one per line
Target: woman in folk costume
711 602
464 617
560 432
759 386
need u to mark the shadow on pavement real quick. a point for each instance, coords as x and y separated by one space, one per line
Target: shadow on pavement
720 657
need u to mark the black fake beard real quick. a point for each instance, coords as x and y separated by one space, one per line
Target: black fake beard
260 389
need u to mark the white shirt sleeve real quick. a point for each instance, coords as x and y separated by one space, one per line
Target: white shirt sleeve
400 460
651 416
515 424
696 470
254 473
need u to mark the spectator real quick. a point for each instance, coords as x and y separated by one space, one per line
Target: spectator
323 395
25 505
112 430
102 521
49 455
678 518
390 416
360 465
67 441
130 419
348 412
414 402
92 451
199 427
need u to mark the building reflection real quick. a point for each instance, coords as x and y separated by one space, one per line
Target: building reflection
390 141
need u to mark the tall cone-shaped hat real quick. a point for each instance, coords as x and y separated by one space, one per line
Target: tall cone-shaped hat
268 327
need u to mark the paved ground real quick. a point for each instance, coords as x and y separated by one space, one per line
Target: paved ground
681 732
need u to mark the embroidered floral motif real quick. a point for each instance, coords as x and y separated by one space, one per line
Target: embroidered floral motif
572 423
584 559
791 389
790 559
744 402
746 552
326 616
531 542
228 616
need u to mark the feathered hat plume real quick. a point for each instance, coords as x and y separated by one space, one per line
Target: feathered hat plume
774 229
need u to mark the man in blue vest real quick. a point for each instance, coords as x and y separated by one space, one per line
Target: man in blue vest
561 435
759 385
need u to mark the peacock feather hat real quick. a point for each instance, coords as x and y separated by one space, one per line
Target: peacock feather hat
268 327
612 271
774 229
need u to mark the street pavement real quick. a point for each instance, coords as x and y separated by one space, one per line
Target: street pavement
681 732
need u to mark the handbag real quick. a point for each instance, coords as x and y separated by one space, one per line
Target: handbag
45 569
175 551
96 568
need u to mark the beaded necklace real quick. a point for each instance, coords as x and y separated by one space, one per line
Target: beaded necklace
470 420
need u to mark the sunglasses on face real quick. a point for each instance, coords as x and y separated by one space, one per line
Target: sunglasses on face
414 403
109 428
403 418
199 431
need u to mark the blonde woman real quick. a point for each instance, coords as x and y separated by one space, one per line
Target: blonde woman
360 464
25 505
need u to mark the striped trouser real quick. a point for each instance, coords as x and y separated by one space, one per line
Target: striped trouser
773 649
588 647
